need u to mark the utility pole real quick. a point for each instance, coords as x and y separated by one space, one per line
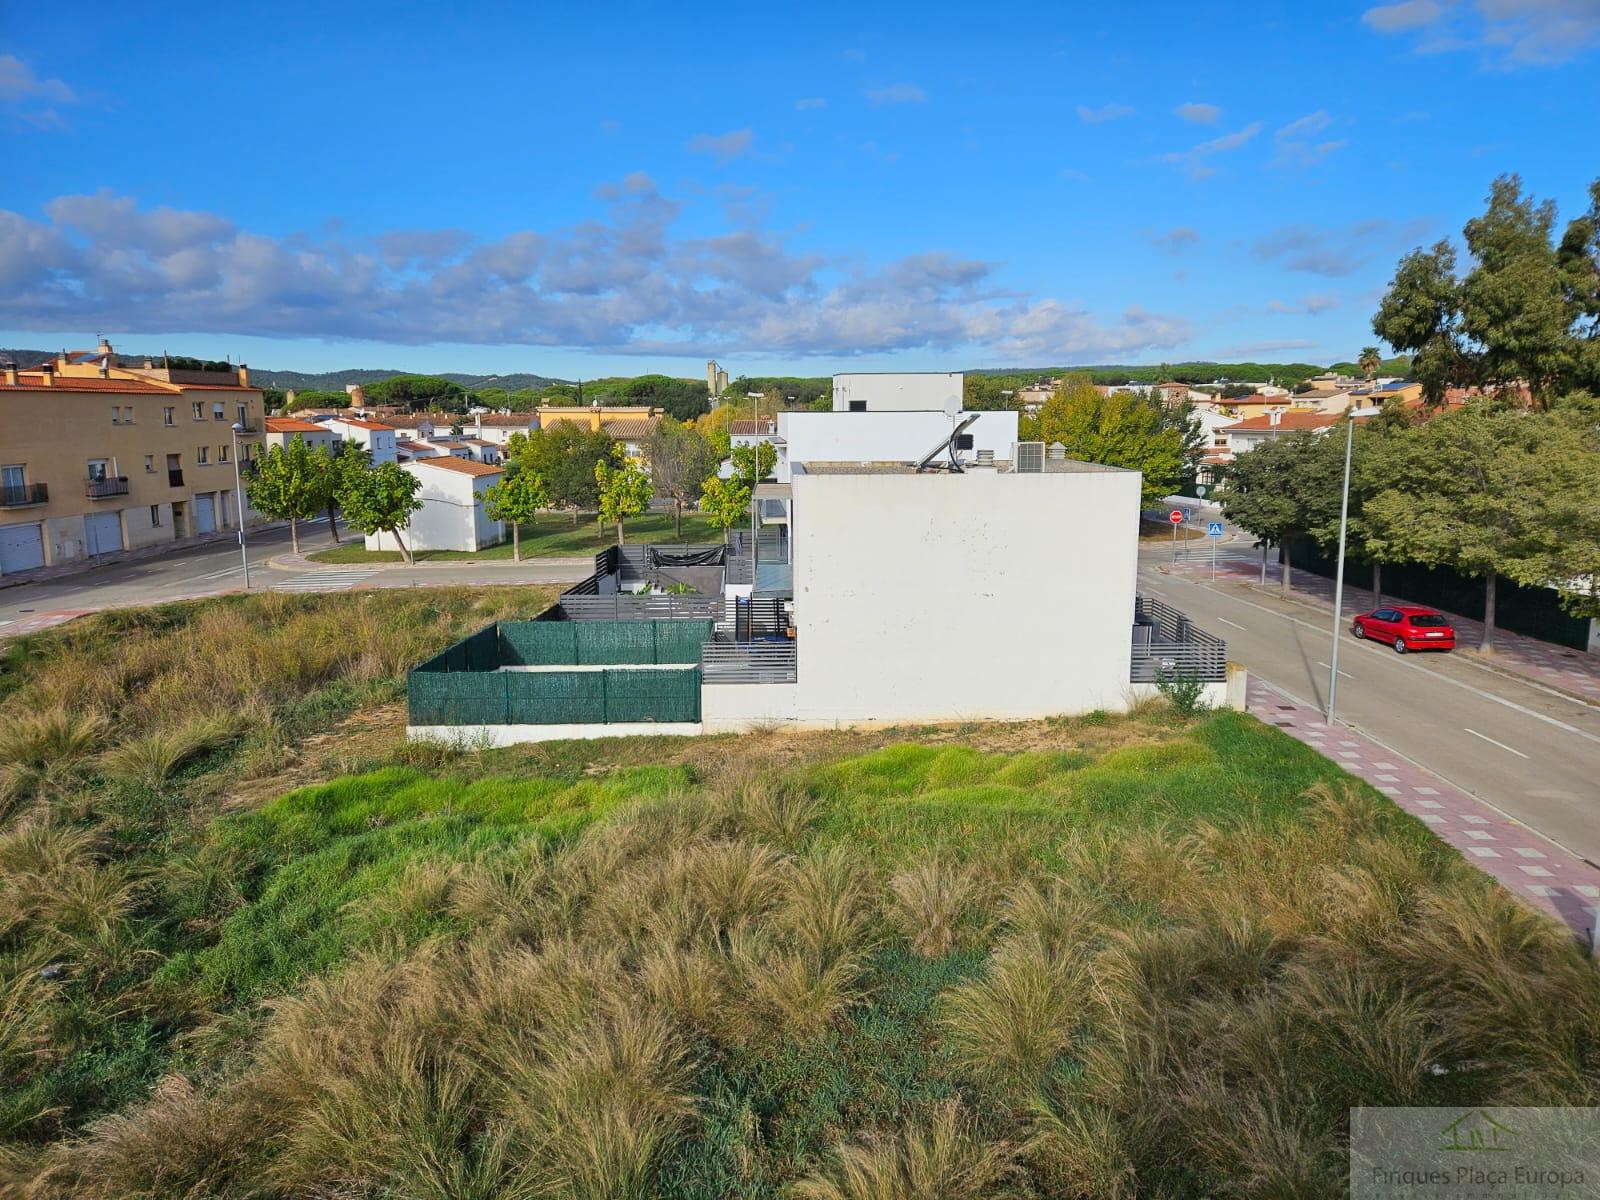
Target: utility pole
238 505
1338 579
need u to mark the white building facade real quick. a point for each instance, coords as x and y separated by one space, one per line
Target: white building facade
899 391
452 515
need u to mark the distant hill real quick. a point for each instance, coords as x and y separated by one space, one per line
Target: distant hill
314 381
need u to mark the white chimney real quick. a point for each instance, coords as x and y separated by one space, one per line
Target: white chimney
1276 417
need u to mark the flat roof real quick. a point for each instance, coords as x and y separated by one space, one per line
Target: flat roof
1052 466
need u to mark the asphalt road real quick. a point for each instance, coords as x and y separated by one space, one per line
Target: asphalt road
215 568
1530 751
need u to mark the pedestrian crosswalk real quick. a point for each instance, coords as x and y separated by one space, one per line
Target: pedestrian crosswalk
324 581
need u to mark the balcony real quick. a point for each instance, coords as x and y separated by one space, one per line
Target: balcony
1166 643
104 489
174 477
23 494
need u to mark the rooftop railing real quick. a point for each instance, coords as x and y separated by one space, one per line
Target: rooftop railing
1166 642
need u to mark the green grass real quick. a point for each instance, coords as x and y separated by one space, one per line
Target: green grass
553 536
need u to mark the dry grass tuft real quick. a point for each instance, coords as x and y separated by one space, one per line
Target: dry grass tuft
945 1159
1009 1026
932 905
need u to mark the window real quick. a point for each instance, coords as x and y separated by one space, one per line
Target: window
13 479
97 468
149 464
1428 620
127 415
222 454
199 413
116 415
216 411
242 414
858 406
202 455
166 415
155 516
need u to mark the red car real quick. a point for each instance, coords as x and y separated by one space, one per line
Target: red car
1406 627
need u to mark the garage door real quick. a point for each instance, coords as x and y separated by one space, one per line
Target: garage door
205 514
21 548
102 532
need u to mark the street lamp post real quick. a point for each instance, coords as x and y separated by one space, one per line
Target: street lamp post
238 504
1338 578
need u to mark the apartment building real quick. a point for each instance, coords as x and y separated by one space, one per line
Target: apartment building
97 456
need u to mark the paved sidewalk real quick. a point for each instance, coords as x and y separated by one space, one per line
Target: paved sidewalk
1560 667
1525 863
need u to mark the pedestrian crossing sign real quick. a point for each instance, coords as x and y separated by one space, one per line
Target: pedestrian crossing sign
1213 529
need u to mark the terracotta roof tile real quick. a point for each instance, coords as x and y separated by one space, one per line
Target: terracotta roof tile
462 465
294 425
1288 421
371 426
34 382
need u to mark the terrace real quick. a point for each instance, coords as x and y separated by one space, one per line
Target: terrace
1166 643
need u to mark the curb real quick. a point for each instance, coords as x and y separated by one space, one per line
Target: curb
291 562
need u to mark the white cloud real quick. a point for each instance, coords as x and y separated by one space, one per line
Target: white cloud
1298 145
1174 240
1196 160
1309 306
1106 112
1407 15
806 103
18 82
1198 114
897 93
724 147
1341 250
626 282
1506 33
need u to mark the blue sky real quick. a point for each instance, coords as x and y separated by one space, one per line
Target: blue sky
588 190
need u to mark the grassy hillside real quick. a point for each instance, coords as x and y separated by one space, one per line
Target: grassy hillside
1106 956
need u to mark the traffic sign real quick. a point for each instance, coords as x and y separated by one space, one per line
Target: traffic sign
1188 513
1213 529
1176 516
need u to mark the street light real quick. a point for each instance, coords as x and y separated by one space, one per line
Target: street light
238 504
1338 579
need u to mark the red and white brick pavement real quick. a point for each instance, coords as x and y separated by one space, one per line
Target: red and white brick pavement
1527 864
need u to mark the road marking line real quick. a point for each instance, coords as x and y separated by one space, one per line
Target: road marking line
1225 621
1412 664
1492 742
1346 674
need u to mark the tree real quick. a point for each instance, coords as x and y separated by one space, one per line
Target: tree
420 393
516 498
1370 363
316 399
563 455
724 502
289 484
1464 492
380 499
625 490
680 459
754 462
1284 488
1119 430
1526 313
683 399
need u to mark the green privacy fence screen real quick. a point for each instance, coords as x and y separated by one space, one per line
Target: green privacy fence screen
650 672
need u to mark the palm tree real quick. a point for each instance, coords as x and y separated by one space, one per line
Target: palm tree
1369 362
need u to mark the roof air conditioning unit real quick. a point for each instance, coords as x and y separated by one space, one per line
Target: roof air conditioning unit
1029 458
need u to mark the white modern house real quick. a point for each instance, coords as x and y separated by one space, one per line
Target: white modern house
899 391
377 439
451 516
280 431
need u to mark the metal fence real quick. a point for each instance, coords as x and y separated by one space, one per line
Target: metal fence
1166 642
726 661
621 606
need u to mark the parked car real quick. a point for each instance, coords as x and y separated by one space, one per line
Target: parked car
1406 627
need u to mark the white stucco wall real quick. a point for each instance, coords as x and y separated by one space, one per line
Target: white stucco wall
884 436
900 391
945 597
451 516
